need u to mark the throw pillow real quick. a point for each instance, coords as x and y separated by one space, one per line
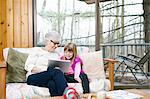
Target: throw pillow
93 64
15 66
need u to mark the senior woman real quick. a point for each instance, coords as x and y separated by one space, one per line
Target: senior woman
38 72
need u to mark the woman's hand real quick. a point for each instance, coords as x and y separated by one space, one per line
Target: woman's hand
38 69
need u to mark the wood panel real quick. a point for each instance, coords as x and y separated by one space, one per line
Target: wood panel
2 26
10 23
24 23
17 25
30 28
16 29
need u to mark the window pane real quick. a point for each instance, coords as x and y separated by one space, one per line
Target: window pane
73 19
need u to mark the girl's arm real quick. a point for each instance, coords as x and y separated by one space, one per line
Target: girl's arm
77 72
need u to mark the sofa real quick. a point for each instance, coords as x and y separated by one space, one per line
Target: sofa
12 74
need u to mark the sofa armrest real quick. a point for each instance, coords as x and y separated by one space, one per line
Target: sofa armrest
2 80
110 65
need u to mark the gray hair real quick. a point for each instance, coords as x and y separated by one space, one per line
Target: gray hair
54 36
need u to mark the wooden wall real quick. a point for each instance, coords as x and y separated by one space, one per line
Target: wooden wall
16 28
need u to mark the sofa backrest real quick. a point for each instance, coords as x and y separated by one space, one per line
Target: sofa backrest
92 61
81 49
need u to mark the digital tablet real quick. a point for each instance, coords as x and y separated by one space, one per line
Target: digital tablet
62 64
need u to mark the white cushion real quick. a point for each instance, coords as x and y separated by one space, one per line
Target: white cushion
93 64
22 90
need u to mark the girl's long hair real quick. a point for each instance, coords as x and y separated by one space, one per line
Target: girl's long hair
71 47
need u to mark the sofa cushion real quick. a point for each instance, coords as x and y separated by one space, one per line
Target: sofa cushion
22 90
15 66
93 64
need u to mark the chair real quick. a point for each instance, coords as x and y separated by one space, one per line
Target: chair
121 59
134 64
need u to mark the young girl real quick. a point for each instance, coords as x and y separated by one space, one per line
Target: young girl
75 73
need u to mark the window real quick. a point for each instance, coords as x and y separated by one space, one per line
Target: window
73 19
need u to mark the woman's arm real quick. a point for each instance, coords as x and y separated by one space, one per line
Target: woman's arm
30 63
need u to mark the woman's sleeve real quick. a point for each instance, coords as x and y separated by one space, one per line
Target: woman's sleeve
31 61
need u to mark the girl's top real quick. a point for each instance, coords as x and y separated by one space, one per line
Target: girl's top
76 67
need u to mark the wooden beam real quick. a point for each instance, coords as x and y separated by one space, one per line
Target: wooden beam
2 80
146 15
97 28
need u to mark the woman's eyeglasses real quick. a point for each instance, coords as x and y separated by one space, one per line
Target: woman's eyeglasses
55 43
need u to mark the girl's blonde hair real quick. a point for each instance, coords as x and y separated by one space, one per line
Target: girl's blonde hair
71 47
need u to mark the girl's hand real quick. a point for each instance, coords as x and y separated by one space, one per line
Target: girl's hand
78 79
90 80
